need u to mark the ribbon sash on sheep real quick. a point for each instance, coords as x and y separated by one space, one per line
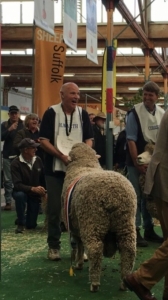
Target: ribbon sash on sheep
68 199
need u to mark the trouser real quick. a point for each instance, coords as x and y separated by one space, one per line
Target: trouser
54 191
133 176
8 186
30 206
154 269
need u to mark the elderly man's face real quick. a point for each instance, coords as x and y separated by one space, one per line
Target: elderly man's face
91 117
70 96
14 116
100 122
149 99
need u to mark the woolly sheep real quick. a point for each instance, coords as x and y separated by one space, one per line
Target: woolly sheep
145 158
103 205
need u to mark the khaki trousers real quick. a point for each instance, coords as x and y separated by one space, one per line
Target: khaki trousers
154 269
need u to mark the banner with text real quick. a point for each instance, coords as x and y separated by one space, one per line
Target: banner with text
70 23
50 54
44 15
91 30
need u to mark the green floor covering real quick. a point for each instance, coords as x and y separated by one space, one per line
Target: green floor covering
27 274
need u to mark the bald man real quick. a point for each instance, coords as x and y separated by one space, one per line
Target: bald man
62 125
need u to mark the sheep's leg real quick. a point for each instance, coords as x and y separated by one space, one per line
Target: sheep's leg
95 250
127 249
79 255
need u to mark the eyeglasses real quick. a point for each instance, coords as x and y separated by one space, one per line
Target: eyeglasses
35 119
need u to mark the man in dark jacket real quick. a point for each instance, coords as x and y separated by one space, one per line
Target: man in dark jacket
8 131
99 137
29 184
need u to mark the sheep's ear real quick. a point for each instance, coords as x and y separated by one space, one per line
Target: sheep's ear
98 156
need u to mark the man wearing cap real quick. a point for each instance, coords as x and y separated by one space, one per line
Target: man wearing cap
29 184
8 131
99 137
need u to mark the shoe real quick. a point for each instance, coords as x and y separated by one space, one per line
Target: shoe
8 206
53 254
85 258
19 229
141 291
140 241
151 236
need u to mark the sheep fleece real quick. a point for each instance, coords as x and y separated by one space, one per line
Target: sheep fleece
102 201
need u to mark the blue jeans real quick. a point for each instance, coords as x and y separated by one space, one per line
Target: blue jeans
133 176
8 186
54 191
27 209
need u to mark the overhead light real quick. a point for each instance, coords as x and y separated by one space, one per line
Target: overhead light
133 88
5 75
118 98
90 89
28 88
127 75
69 75
121 104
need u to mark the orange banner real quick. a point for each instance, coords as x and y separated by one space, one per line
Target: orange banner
50 54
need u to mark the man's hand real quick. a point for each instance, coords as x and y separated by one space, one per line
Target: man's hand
65 159
142 168
13 126
38 190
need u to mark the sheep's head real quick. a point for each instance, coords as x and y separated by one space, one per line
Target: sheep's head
145 157
82 151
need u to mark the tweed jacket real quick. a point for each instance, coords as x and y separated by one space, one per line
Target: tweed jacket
157 172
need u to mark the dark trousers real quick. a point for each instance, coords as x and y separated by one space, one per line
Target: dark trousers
31 205
54 191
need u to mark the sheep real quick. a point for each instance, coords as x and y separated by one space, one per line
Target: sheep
145 158
101 213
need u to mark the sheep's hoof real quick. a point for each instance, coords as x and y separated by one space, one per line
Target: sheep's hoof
79 267
123 287
94 288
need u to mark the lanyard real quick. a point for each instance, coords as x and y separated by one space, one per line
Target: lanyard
68 130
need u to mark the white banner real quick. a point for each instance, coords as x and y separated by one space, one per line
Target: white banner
70 24
91 30
44 15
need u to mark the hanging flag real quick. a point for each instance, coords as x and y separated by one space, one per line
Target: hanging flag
44 15
50 54
70 23
111 76
91 30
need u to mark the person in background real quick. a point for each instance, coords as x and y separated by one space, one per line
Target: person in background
62 124
142 127
120 151
29 184
91 117
155 268
9 130
99 144
30 130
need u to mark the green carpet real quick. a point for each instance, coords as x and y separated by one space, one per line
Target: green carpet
27 274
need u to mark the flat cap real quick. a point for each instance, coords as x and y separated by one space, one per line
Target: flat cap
28 143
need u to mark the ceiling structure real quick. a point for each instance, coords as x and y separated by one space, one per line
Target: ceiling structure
130 68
